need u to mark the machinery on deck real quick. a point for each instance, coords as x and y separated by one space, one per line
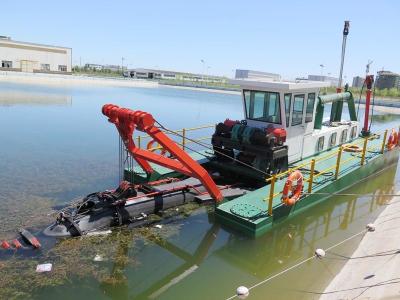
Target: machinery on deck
245 146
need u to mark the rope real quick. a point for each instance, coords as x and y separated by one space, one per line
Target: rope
352 194
300 263
212 149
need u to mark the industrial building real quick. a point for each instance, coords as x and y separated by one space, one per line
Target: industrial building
358 81
333 81
387 80
34 58
171 75
250 74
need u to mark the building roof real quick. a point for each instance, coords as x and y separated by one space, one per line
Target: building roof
9 40
279 85
143 70
387 73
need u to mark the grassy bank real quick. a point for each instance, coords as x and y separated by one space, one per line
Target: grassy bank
381 93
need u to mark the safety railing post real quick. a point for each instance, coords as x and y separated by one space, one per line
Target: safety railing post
339 156
364 150
139 140
271 194
384 141
183 138
311 179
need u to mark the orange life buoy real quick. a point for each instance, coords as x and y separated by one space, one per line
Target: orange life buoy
351 148
152 149
294 184
393 140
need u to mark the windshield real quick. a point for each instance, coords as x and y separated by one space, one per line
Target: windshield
263 106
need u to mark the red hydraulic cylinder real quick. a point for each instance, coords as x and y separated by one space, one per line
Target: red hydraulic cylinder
369 80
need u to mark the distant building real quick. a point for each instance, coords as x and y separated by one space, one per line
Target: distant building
387 80
358 81
94 67
164 74
34 58
250 74
97 67
333 81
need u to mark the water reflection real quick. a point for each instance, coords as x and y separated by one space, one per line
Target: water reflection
170 268
11 98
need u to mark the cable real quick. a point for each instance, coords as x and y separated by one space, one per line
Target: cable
212 149
300 263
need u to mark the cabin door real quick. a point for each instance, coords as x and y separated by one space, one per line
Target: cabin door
295 139
297 128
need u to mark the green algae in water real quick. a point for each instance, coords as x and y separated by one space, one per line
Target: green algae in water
73 258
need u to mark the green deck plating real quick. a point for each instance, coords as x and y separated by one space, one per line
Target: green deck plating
249 213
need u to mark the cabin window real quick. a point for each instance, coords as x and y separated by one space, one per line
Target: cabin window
297 115
343 136
310 107
263 106
353 132
288 102
332 140
320 144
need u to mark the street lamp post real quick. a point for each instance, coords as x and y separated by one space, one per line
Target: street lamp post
322 69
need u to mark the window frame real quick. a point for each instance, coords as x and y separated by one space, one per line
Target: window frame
343 136
353 132
289 109
249 107
320 146
331 143
62 67
312 108
302 109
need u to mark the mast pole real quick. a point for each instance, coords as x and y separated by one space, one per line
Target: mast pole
345 34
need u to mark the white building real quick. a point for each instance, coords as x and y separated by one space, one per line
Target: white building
33 58
333 81
250 74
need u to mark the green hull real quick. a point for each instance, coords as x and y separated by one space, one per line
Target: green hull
257 227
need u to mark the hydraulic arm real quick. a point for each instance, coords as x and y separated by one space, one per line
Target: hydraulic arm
127 121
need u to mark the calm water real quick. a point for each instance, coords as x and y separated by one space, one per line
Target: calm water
55 146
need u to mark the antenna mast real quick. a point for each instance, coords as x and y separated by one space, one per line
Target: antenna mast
345 34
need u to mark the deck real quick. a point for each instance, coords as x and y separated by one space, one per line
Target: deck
255 212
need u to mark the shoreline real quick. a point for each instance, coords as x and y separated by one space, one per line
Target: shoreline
67 80
386 105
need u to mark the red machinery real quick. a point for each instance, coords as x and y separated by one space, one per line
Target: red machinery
127 121
369 80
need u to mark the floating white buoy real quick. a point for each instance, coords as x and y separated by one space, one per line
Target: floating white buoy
158 226
320 253
98 258
370 227
44 268
242 292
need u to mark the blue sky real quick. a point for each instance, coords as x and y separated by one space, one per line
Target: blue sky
288 37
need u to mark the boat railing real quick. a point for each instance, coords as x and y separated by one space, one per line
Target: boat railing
181 137
334 168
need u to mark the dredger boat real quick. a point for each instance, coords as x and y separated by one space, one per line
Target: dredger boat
281 159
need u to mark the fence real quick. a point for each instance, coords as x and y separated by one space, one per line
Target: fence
338 162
